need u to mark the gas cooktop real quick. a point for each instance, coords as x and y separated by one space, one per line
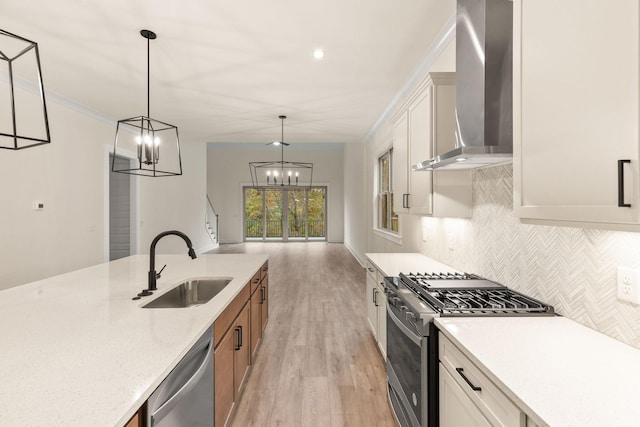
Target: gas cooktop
463 294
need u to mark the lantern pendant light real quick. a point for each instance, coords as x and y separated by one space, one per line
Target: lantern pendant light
142 139
24 122
281 173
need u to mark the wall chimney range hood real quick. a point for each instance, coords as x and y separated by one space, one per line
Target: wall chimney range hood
484 106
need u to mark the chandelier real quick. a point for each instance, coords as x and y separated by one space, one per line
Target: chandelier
23 118
141 139
281 173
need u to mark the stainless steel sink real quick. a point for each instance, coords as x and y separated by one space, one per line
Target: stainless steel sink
190 293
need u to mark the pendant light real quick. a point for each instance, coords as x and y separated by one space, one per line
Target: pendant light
23 119
153 146
281 173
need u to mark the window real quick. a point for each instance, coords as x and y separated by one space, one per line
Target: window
285 213
387 218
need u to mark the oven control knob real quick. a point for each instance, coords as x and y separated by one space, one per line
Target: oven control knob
394 301
411 317
403 308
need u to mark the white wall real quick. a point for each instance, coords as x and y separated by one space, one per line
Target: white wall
69 175
573 269
228 172
177 202
355 226
379 142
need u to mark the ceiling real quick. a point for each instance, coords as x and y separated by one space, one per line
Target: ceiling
224 70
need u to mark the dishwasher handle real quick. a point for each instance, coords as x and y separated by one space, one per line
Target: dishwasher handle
167 406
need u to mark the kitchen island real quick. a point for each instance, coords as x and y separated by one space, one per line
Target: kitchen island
76 350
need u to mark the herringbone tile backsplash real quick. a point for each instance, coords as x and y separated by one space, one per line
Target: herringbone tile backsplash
573 269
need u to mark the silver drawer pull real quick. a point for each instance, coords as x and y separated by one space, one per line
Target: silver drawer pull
464 377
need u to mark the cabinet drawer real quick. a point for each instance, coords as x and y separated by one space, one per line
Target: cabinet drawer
493 404
226 318
372 271
255 281
264 270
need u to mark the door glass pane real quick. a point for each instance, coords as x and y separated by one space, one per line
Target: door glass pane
254 217
273 199
297 219
316 205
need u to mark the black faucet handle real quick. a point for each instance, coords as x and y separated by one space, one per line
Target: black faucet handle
160 272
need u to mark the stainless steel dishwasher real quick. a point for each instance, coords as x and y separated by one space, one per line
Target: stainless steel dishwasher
185 397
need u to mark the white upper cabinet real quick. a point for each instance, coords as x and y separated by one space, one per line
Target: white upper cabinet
424 127
576 110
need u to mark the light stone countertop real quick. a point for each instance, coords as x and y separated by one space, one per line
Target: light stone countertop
561 373
76 350
391 264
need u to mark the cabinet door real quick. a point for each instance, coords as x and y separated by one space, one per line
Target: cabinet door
224 392
399 173
372 309
576 96
242 348
265 301
134 421
381 298
256 320
456 409
420 149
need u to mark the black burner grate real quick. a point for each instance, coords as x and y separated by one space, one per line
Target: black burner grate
492 299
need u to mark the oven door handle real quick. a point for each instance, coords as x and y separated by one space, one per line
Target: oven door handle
413 336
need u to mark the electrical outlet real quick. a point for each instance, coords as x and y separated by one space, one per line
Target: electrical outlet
628 282
451 241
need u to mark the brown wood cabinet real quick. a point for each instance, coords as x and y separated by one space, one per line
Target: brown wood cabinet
224 378
242 349
259 307
135 421
237 332
256 320
264 297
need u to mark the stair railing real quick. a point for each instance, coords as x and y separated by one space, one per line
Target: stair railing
211 221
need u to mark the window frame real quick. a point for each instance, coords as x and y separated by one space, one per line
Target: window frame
384 198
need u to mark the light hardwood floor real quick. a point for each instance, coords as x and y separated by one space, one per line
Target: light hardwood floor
318 364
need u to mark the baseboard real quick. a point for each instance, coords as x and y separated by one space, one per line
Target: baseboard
355 255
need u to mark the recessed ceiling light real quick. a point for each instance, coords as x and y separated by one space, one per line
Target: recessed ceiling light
318 53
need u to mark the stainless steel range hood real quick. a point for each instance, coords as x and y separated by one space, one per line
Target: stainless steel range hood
484 134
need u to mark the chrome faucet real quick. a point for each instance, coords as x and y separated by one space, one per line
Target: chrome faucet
153 276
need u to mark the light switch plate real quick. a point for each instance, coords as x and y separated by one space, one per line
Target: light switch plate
628 282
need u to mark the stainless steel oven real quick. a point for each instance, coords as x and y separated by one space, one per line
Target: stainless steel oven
411 365
414 300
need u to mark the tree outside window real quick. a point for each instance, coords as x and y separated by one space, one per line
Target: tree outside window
387 218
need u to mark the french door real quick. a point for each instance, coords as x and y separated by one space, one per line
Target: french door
285 213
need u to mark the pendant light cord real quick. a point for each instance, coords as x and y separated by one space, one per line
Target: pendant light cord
148 79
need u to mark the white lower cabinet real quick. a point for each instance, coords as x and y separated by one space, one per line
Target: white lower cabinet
377 307
456 408
468 397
